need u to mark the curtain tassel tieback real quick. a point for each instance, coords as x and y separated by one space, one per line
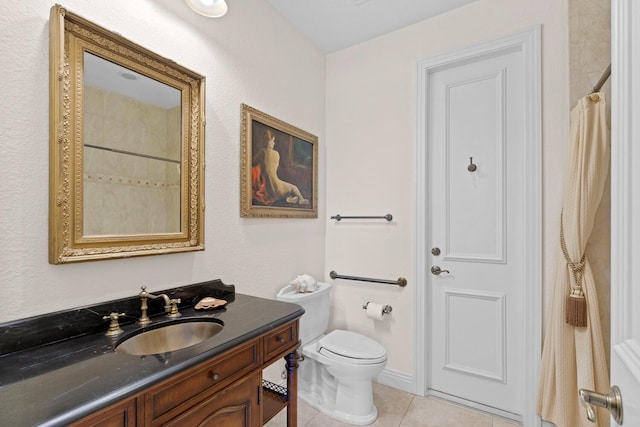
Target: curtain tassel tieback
576 303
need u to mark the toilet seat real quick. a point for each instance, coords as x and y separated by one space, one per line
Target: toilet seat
351 347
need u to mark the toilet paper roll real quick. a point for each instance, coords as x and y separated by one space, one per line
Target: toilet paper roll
374 310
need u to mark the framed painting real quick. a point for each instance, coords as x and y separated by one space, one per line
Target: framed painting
279 168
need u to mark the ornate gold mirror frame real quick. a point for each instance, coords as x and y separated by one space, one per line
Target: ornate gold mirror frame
72 233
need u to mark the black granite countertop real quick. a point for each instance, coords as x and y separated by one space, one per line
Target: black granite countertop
49 381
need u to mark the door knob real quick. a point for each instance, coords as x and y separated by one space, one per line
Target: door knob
612 401
435 270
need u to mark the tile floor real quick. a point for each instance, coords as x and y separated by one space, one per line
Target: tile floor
399 409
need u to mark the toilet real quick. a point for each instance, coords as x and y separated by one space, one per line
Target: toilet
335 373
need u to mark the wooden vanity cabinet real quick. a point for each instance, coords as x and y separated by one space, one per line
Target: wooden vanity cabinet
224 391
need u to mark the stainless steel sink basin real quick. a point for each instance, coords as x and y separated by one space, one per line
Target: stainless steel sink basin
170 337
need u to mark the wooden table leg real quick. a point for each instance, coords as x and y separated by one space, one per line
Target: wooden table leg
292 388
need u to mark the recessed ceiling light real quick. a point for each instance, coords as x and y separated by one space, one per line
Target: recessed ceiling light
129 76
209 8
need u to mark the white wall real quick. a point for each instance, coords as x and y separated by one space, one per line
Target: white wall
252 55
371 132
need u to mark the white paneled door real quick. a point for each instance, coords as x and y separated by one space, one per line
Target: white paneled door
625 208
476 135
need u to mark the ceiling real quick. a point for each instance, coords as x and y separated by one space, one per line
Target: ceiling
336 24
107 75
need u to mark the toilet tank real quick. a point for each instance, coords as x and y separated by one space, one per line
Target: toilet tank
315 320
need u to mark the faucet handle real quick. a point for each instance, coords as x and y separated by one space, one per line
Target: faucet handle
173 310
114 326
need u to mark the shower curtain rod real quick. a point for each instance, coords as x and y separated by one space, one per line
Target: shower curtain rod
602 80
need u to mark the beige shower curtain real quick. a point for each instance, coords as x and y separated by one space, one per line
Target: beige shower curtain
573 357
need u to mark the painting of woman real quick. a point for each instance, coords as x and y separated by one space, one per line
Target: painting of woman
279 168
268 186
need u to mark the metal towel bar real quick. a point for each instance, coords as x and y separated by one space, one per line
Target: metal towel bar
339 217
402 282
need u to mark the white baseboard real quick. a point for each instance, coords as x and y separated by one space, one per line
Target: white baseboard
396 380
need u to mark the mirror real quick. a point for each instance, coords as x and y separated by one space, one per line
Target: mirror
126 147
131 144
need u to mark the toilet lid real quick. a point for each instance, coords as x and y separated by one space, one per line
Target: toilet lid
351 345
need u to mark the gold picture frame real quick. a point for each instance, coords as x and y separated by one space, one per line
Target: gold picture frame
96 178
279 168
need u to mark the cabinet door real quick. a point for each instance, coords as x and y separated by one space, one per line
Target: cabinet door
235 406
121 414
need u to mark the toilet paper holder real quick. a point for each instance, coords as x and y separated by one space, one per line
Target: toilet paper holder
386 309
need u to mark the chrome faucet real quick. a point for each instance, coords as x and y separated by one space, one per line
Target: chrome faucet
170 305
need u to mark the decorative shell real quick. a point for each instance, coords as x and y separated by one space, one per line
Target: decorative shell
209 303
